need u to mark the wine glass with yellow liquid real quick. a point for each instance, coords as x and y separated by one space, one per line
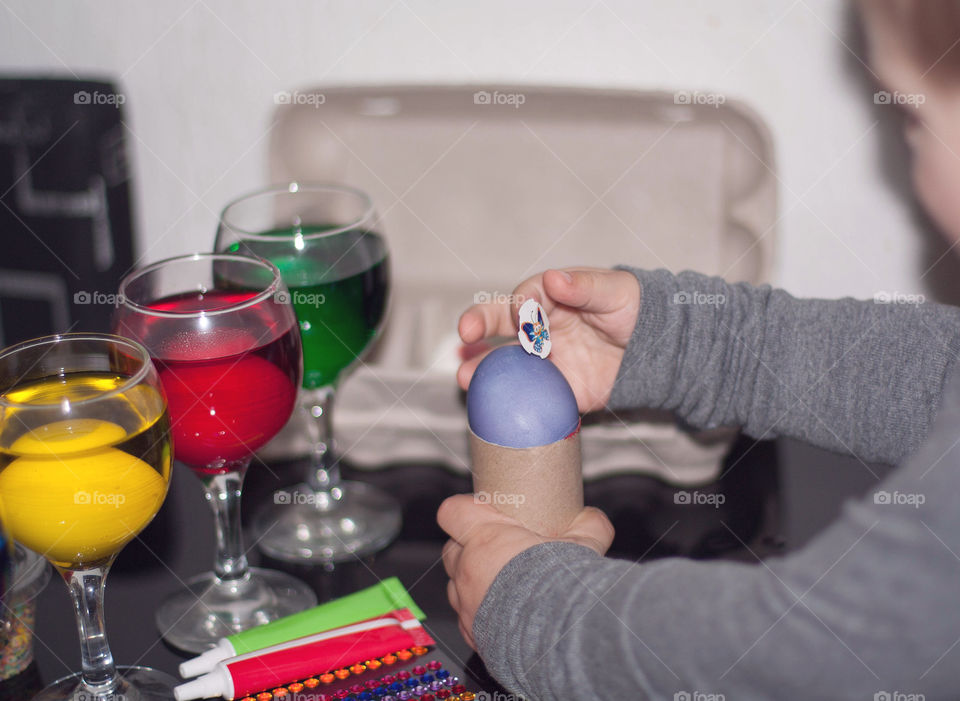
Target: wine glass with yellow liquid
84 467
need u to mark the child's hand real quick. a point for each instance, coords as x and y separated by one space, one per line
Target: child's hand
592 314
483 541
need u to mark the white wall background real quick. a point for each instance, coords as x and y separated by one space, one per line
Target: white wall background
200 76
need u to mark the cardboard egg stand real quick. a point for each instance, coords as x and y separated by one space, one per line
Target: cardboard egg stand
542 487
478 192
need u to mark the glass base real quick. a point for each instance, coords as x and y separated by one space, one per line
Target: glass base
208 609
136 684
352 520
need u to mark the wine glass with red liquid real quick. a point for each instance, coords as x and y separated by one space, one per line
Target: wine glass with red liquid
224 339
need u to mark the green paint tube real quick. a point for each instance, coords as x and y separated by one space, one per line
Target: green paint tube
380 599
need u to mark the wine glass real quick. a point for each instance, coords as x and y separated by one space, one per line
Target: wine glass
325 240
7 566
84 467
225 343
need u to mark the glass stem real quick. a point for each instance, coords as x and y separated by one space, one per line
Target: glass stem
222 492
86 589
323 475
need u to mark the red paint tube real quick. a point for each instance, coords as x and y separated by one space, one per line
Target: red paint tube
303 657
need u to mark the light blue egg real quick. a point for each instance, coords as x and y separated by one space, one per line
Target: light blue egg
519 400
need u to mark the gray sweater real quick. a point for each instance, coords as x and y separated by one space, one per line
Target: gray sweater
868 610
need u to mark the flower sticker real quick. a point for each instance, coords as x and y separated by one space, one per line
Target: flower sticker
534 331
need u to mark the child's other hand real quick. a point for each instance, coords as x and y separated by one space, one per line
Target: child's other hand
592 314
483 540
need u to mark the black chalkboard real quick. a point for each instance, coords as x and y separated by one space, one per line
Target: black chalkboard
66 231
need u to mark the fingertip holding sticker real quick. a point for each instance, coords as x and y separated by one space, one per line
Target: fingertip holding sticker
534 333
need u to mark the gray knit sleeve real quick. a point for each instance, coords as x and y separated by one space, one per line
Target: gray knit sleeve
852 376
866 610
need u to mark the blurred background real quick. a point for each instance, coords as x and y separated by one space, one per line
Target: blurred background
200 79
201 85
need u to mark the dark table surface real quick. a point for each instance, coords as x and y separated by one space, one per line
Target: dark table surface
179 544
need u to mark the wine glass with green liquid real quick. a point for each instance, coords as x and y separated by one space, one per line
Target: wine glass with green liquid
327 243
84 467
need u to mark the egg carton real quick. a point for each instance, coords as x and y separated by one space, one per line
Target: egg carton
482 186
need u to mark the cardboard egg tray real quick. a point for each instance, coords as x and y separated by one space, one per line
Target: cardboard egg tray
482 186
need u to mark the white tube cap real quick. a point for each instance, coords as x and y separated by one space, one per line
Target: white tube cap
208 660
205 687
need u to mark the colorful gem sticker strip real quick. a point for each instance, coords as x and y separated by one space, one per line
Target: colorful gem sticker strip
424 682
